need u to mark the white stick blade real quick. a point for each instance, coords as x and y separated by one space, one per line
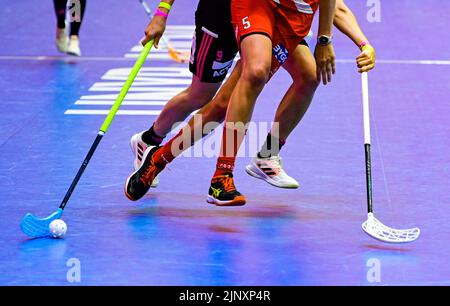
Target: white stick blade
374 228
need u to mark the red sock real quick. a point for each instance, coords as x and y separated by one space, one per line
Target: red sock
224 165
231 140
170 150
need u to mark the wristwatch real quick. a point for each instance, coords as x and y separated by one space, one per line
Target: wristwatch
324 40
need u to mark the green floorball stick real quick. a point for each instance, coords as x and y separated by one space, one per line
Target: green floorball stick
36 227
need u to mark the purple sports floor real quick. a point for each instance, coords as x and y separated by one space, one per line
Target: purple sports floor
52 106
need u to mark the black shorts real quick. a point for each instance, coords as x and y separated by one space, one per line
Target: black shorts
214 45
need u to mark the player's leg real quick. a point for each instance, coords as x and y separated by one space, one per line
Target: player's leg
175 111
256 53
200 125
213 53
267 164
76 10
295 103
158 157
61 37
181 106
255 26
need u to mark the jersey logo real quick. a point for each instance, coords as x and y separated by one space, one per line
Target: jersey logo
219 66
221 69
281 53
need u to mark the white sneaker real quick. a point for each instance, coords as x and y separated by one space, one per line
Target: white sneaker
138 146
61 40
73 47
271 170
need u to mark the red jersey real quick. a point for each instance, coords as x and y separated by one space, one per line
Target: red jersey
286 22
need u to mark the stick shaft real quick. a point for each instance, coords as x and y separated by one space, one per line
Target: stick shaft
112 113
126 87
366 119
81 170
368 178
366 109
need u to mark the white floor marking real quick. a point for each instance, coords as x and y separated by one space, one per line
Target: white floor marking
106 111
111 102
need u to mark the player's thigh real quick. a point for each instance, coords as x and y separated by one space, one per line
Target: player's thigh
254 26
256 55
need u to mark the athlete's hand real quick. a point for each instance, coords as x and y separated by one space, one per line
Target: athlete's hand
366 60
326 62
154 30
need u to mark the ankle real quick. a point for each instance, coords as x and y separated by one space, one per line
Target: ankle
224 166
151 138
161 158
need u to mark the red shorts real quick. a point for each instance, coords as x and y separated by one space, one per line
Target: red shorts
286 23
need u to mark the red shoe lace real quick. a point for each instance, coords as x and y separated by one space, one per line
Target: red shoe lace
147 175
228 184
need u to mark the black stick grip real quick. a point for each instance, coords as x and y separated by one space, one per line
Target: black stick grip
81 170
368 178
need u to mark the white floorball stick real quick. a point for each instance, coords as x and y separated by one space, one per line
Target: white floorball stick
372 226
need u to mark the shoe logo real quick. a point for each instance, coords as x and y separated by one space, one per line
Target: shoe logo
140 152
267 169
216 192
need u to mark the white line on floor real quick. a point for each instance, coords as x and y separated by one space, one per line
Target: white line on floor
106 111
111 102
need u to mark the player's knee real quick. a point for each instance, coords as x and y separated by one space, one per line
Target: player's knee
311 81
307 81
256 75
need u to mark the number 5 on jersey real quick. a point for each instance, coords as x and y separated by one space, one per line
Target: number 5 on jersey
246 23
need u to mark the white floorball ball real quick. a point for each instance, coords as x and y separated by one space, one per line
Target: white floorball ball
58 228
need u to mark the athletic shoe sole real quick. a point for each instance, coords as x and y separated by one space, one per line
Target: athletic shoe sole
73 54
262 176
238 201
